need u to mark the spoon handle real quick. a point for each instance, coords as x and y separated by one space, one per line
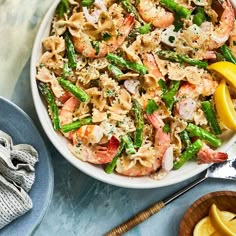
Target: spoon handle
185 189
137 219
148 212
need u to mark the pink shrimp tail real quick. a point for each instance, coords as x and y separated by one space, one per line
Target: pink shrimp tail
113 145
155 120
63 98
207 155
106 154
129 22
150 62
162 139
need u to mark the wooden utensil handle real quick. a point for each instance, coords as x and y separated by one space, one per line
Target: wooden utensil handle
137 219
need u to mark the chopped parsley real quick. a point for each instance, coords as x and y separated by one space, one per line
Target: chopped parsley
166 128
151 106
79 142
41 65
95 45
145 29
109 93
106 36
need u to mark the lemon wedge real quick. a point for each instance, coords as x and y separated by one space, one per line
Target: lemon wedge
219 223
224 106
228 215
205 227
225 69
232 225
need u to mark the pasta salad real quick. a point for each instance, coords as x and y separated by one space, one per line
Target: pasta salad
133 85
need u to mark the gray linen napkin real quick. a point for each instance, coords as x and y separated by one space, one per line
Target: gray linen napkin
17 174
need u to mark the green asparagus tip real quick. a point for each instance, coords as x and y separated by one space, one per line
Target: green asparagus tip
188 154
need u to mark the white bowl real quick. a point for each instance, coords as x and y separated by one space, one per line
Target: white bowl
189 170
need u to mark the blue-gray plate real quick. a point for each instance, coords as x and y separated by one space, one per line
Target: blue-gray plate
20 127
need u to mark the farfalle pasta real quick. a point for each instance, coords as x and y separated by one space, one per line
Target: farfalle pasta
44 75
54 47
127 83
72 24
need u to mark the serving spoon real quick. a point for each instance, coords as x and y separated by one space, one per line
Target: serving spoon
223 170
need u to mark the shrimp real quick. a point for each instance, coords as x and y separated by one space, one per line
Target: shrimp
96 154
83 44
162 143
88 134
207 155
206 87
186 106
222 32
162 139
66 112
159 17
64 97
150 62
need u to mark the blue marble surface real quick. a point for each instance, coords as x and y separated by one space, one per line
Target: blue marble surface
81 205
42 189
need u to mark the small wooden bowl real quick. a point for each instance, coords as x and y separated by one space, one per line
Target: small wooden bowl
225 201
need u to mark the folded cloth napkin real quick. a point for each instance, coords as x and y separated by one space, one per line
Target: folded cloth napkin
17 174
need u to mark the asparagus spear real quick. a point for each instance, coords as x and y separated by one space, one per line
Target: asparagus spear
200 16
185 138
211 118
62 8
178 23
144 29
76 124
173 56
162 84
129 146
219 57
130 8
87 3
194 130
70 51
110 166
139 123
119 61
48 94
115 70
67 70
78 92
227 54
188 153
176 8
169 96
